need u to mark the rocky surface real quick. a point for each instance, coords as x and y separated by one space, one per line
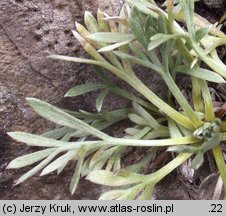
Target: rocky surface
215 4
29 32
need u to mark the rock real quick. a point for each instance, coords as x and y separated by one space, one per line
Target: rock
29 32
112 7
215 4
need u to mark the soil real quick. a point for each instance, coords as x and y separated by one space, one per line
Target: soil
29 32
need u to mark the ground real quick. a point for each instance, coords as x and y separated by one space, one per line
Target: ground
29 32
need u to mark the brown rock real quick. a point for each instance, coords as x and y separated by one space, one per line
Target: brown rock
215 4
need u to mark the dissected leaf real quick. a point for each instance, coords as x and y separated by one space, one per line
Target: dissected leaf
55 165
74 59
136 26
100 99
84 88
57 133
147 116
114 46
78 170
35 140
141 133
188 7
98 154
59 117
145 7
159 39
162 25
37 168
132 131
104 177
184 149
201 33
143 163
157 133
200 73
109 37
136 60
137 51
29 159
137 119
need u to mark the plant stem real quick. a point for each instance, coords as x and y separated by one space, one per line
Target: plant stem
149 143
181 100
164 171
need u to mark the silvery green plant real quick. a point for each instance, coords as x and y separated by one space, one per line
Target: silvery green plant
145 35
